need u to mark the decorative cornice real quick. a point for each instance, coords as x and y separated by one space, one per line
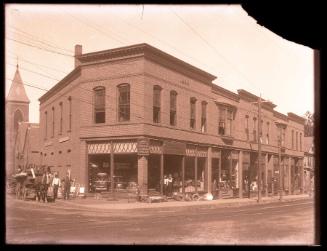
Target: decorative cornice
150 53
253 98
224 92
280 116
296 118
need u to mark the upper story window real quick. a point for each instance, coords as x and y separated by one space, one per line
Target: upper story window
61 111
203 116
283 137
70 114
124 102
46 125
268 132
225 120
300 141
247 127
156 103
296 140
173 108
53 121
193 113
99 104
292 139
255 129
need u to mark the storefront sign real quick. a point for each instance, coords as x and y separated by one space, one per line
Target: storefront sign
143 147
176 148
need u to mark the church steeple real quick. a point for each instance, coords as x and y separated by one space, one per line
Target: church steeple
17 91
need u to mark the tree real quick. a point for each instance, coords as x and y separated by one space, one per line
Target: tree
309 124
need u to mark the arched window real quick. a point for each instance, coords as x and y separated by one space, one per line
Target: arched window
124 102
99 104
173 108
156 103
18 117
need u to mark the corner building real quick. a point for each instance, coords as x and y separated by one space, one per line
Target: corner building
139 113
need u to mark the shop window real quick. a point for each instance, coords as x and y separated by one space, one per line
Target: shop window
204 116
193 113
173 108
99 105
156 103
124 102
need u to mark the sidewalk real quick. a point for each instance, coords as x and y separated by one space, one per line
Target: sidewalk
92 203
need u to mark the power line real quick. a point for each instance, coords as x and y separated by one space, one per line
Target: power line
43 75
213 48
32 37
38 47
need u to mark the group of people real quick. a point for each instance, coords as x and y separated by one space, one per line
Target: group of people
47 185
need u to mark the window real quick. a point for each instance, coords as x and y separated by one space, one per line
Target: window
53 121
255 129
18 117
283 137
156 103
204 116
225 121
70 113
124 102
173 105
292 139
247 127
46 125
60 128
193 113
296 141
99 105
267 135
300 141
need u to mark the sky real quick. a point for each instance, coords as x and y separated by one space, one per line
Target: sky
220 39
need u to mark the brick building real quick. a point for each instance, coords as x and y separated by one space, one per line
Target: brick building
139 113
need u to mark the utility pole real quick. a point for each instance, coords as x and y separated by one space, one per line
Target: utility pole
259 149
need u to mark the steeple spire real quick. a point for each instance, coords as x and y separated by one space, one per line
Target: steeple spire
17 91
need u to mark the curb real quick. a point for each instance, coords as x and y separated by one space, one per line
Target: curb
123 206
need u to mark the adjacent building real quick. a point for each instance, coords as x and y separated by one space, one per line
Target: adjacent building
139 113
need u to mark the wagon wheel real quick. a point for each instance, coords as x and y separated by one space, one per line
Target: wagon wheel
195 196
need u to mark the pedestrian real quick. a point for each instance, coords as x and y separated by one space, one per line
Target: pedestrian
46 181
170 185
55 184
165 185
38 185
67 181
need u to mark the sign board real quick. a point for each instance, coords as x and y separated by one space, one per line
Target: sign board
143 147
176 148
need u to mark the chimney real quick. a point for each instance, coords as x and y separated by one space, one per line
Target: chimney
78 52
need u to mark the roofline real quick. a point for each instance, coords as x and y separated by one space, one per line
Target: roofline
281 116
62 83
296 118
224 92
251 97
151 53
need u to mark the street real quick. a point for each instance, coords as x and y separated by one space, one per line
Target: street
275 223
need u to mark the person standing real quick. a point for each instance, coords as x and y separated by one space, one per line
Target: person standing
38 185
55 185
46 179
67 186
165 185
170 185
